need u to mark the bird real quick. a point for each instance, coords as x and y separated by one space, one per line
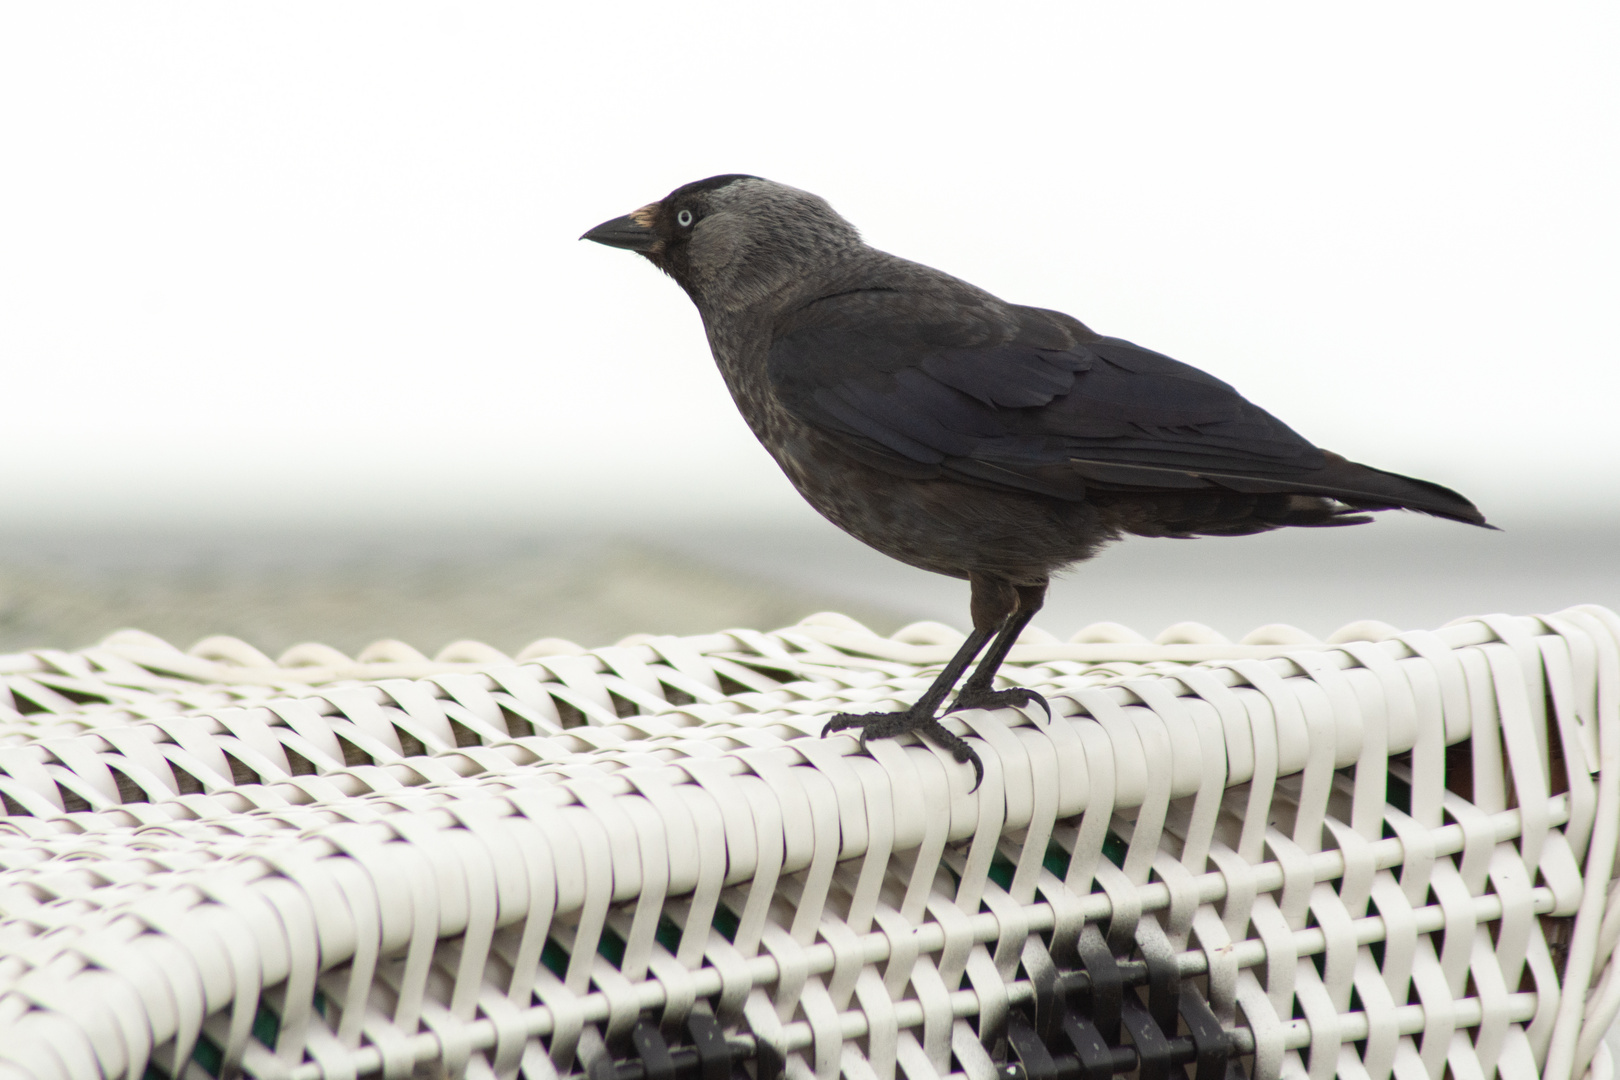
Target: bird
969 436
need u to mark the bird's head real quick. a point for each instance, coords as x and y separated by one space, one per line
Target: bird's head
734 241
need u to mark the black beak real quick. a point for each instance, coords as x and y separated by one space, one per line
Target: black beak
624 232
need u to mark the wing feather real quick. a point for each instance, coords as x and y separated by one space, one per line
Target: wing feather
1023 399
1030 400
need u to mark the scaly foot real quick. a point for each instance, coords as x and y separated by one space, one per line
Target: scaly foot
1014 697
922 721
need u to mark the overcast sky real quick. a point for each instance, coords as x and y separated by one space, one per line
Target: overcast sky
319 261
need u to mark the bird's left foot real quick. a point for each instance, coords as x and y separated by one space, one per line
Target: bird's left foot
1014 697
891 724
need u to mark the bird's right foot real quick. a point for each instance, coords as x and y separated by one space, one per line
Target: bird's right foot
1013 697
890 725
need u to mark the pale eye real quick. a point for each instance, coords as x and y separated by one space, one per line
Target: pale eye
684 219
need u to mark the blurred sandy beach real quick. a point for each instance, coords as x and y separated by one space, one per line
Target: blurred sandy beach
509 586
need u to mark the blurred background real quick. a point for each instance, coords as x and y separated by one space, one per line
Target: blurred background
297 341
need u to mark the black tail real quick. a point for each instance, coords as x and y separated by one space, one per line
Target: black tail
1334 495
1364 488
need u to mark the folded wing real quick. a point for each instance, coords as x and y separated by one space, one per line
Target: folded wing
1031 400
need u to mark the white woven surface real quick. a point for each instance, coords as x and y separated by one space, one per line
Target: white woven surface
334 867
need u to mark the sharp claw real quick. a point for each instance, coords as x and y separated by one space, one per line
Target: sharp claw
994 700
966 755
840 722
928 728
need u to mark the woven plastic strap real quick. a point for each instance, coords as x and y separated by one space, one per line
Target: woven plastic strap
1386 855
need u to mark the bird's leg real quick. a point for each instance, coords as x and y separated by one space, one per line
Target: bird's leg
979 692
994 602
920 717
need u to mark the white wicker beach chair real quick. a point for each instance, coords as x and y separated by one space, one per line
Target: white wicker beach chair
1387 855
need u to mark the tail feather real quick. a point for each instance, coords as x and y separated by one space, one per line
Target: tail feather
1337 494
1362 487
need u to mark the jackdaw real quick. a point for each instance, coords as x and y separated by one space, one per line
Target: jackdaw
965 435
